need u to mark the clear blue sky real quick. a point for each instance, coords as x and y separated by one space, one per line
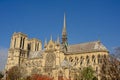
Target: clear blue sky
87 20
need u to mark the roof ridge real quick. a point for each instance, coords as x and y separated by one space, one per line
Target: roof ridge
85 42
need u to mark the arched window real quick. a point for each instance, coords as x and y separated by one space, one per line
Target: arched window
81 60
81 57
50 58
70 59
104 56
20 42
29 46
49 62
38 46
76 58
87 59
23 43
81 63
93 59
15 43
98 58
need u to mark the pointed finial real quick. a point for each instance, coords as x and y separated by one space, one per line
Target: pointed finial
58 40
45 43
64 26
51 38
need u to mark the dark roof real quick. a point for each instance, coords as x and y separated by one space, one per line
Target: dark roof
86 47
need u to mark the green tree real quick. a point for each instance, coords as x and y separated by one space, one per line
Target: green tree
1 75
110 69
14 73
87 73
95 78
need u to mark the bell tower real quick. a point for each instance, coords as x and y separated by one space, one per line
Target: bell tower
18 50
18 41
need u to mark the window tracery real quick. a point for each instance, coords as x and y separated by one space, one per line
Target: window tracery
50 61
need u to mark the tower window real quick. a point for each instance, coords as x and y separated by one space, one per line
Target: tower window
15 43
87 60
21 42
38 47
29 46
93 59
98 58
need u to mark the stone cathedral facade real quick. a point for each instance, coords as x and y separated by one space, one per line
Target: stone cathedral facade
55 58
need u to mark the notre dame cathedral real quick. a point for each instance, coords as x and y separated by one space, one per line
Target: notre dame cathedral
56 58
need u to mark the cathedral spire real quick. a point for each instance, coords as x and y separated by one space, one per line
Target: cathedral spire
64 26
64 32
64 36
